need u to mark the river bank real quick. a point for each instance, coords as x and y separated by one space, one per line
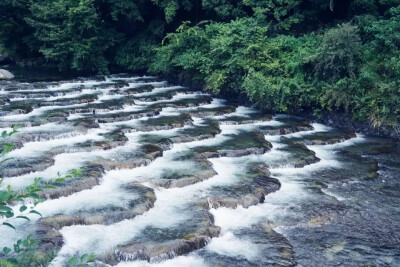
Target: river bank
336 119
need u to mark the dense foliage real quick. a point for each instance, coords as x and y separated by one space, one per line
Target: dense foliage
285 56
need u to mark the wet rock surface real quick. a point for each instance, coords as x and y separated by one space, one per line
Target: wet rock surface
5 74
178 176
161 251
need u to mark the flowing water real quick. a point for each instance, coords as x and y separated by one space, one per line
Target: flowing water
175 177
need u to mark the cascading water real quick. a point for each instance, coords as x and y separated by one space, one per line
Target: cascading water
175 177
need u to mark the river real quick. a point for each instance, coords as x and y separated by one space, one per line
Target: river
176 177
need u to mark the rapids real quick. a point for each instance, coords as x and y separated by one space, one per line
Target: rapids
177 177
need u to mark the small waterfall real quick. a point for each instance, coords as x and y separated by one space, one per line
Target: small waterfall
176 177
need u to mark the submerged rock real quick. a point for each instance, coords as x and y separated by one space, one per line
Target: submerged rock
286 129
259 188
106 216
155 253
260 169
89 178
238 120
328 138
385 149
203 171
300 155
267 184
242 144
286 256
161 251
27 165
133 159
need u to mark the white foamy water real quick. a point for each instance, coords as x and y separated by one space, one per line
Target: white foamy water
187 261
175 98
37 112
33 148
130 78
107 97
292 189
326 154
134 84
159 90
240 111
317 128
215 103
48 127
230 245
87 92
164 214
272 209
329 193
62 86
174 207
86 200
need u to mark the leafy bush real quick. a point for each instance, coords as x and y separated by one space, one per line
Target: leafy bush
285 56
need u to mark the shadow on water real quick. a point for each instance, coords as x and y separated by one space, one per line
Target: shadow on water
42 74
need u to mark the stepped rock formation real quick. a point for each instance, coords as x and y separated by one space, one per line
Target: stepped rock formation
160 162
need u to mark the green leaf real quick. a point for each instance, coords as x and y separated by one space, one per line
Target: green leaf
34 195
5 208
72 261
23 208
4 134
6 144
36 202
84 257
4 195
9 214
6 250
7 149
36 190
36 212
7 159
25 243
59 180
13 261
9 225
23 217
16 127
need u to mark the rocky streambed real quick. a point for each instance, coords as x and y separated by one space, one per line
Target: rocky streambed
175 177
